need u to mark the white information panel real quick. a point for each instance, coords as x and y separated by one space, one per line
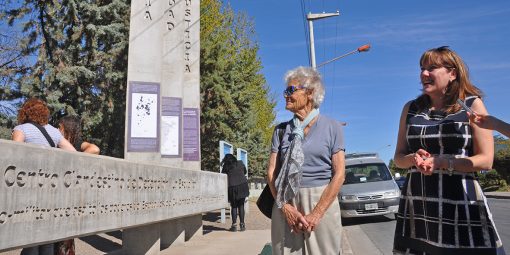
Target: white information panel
225 148
242 155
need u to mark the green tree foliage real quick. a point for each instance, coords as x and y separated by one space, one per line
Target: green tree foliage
394 169
502 158
235 101
79 54
12 65
492 181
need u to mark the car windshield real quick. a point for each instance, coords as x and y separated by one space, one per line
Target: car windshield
370 172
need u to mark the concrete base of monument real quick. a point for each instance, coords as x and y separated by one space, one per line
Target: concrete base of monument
150 239
57 195
141 240
172 233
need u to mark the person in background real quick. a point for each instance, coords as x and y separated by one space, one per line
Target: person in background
305 172
490 122
442 208
70 127
33 128
238 189
33 115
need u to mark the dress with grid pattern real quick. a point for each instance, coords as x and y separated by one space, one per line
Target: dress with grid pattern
443 213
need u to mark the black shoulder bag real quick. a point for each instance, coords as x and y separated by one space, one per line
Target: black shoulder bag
45 133
265 201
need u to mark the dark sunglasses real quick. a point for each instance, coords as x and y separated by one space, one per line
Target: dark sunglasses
291 89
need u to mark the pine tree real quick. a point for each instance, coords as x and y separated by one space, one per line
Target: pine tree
235 102
81 49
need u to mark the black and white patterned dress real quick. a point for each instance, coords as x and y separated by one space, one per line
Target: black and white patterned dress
443 214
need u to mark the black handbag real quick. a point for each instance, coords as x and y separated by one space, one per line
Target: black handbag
265 201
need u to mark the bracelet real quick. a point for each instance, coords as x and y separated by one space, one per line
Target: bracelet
450 166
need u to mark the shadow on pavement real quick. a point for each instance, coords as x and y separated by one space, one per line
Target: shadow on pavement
211 222
211 217
208 229
100 243
367 220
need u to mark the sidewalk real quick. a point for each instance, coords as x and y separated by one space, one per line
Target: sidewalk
217 240
498 195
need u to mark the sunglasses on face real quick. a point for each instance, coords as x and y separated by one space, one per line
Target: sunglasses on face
291 89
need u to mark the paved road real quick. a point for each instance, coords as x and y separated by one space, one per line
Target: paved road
379 230
500 209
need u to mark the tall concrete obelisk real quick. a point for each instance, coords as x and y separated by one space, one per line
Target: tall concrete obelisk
162 115
163 98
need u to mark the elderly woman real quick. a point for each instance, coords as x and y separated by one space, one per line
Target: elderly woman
305 172
33 128
443 209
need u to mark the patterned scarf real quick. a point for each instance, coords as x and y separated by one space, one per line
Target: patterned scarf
287 183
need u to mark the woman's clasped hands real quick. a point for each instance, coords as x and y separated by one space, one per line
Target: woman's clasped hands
298 222
426 162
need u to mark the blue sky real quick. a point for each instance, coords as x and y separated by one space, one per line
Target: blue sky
368 90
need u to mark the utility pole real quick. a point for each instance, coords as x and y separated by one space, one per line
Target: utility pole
311 17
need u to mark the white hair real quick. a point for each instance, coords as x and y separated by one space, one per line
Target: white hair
308 78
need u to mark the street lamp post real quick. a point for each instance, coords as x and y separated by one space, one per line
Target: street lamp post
315 16
360 49
311 17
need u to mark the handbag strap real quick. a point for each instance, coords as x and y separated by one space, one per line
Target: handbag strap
45 133
280 130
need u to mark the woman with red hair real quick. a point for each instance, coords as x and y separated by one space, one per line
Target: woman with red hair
33 126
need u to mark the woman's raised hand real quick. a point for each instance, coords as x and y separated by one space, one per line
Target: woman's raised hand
483 120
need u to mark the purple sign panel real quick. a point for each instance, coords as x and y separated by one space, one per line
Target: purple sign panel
171 136
143 117
191 134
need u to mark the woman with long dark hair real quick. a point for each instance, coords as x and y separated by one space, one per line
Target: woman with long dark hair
70 127
237 189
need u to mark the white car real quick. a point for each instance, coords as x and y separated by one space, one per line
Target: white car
368 189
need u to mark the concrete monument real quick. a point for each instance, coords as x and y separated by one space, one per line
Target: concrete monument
163 108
